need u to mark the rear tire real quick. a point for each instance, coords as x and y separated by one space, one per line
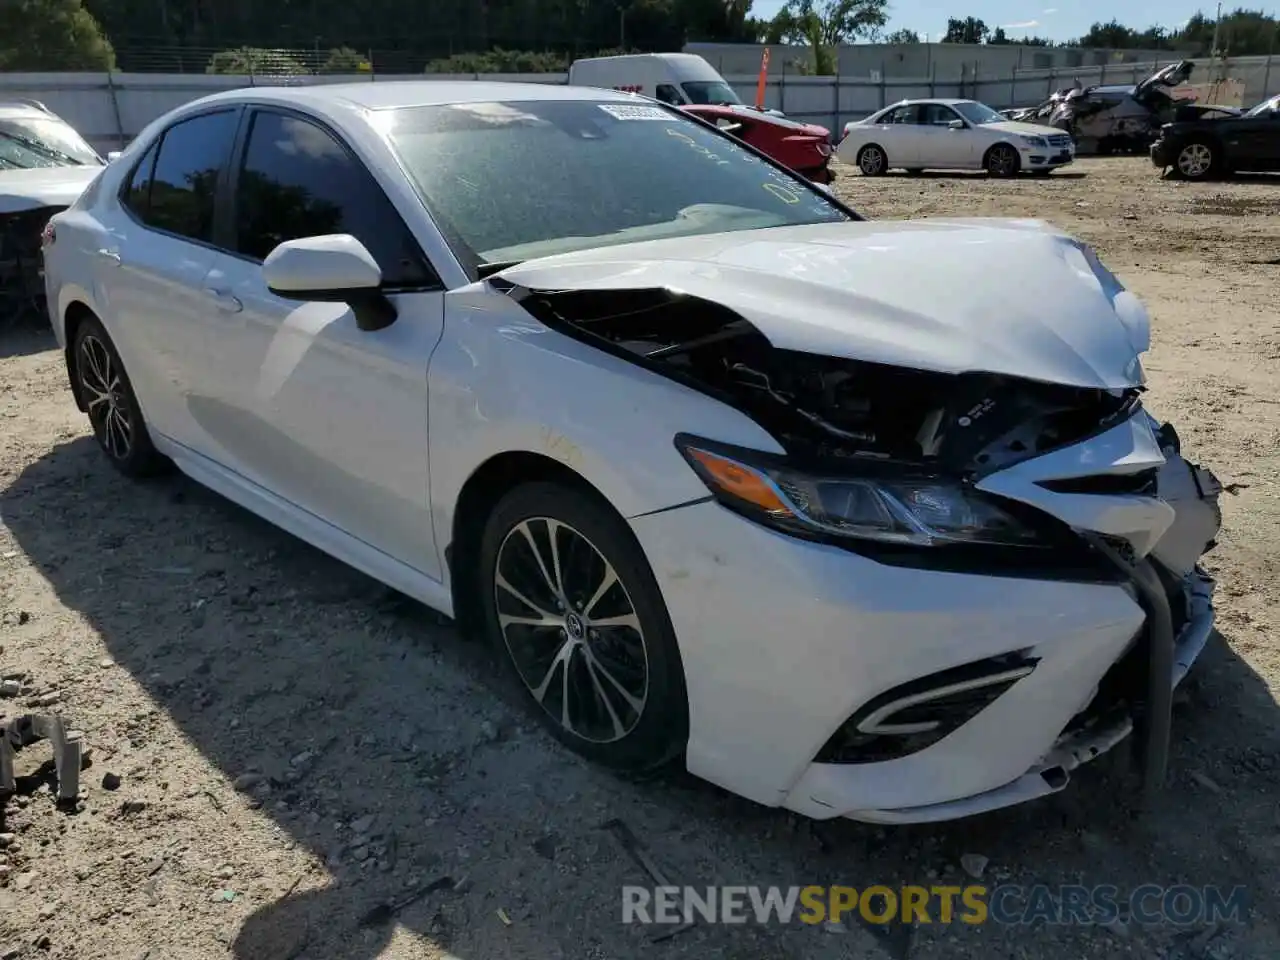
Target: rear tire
112 406
873 161
1002 161
573 610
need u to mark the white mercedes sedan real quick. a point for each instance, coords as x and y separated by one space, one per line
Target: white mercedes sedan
728 475
917 135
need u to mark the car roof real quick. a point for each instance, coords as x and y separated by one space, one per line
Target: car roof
945 101
12 109
389 94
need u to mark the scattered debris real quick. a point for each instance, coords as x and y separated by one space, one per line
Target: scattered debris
1205 781
110 781
385 912
10 688
974 864
223 896
23 731
632 846
502 915
246 781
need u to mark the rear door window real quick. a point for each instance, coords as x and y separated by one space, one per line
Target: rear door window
178 195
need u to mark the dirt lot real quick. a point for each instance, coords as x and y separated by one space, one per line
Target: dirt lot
295 745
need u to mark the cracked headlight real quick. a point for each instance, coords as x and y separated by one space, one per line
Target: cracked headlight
921 512
1034 141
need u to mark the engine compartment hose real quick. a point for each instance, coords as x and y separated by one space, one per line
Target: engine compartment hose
1157 719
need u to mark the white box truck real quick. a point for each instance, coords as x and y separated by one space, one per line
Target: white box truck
674 78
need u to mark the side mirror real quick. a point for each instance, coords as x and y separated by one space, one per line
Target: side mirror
113 155
956 124
336 268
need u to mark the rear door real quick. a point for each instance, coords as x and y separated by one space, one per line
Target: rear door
1254 142
157 248
899 134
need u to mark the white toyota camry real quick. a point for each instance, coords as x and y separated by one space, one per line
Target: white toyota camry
729 475
917 135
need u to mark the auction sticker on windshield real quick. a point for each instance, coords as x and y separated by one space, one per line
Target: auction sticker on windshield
627 111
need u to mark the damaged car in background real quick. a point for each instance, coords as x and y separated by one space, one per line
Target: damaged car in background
44 165
727 474
1123 118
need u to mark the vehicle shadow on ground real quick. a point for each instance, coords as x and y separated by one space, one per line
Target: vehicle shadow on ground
346 701
23 337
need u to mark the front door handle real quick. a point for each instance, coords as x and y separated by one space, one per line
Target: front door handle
111 257
226 302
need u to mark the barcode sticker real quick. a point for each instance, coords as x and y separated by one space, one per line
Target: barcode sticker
627 111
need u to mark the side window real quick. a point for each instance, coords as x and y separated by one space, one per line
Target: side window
937 115
298 181
136 195
184 176
905 114
668 94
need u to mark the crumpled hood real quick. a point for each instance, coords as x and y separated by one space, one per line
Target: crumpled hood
934 295
43 187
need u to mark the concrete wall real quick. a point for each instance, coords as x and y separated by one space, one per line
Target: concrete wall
110 109
943 61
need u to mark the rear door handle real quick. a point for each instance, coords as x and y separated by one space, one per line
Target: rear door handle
112 257
225 301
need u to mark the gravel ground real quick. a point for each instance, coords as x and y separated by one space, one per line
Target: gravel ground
291 745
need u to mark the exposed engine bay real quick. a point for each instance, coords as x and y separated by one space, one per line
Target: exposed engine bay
825 409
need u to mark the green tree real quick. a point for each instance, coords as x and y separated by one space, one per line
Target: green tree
823 25
51 35
346 60
903 36
247 61
968 30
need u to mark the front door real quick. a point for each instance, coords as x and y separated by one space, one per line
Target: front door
940 144
331 417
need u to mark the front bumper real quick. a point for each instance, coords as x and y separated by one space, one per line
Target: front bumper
783 641
1037 159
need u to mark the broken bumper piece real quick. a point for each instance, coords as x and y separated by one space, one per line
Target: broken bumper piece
1053 772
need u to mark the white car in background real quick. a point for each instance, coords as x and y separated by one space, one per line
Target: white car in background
726 473
917 135
44 166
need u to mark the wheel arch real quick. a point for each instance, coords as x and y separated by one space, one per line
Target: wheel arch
986 154
76 312
480 493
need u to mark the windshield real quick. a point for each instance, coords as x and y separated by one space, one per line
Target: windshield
39 142
1267 106
512 181
709 91
977 113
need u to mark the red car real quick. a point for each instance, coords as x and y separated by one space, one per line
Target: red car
802 147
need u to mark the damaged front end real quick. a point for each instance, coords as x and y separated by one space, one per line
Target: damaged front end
973 472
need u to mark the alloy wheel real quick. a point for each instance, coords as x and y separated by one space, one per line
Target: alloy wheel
1195 160
872 161
1004 162
104 394
571 630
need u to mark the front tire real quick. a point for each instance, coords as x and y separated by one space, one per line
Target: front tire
111 405
1196 161
1002 161
872 160
575 614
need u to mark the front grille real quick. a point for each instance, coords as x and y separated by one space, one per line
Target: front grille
1059 140
22 262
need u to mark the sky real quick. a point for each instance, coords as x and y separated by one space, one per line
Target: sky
1055 19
